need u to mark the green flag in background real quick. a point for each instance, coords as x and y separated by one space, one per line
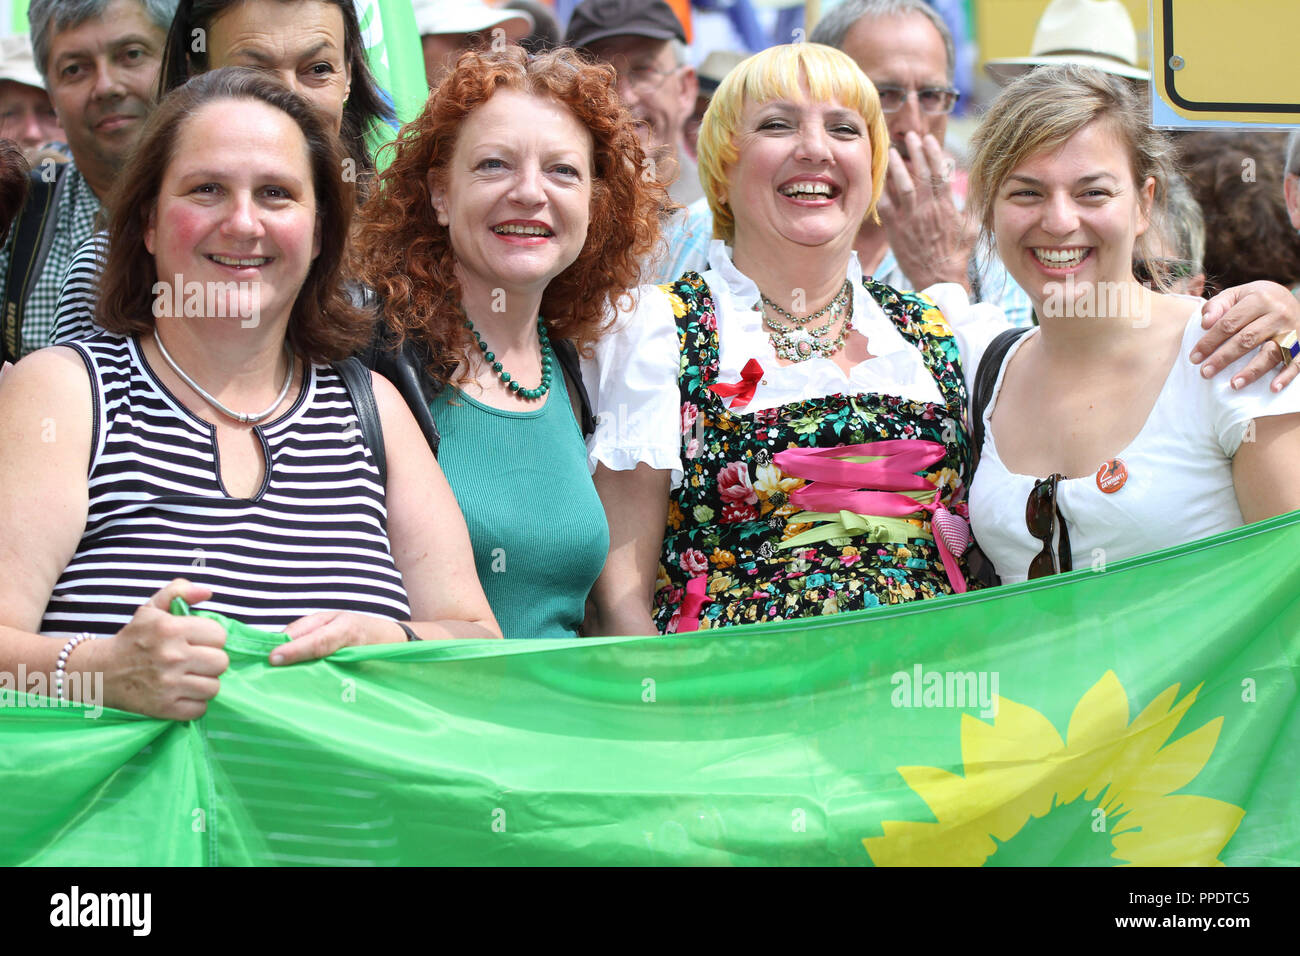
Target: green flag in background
1143 712
396 59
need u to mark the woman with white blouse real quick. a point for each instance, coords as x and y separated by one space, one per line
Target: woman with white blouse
782 437
1101 441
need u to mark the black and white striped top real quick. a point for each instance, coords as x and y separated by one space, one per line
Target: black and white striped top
74 315
313 537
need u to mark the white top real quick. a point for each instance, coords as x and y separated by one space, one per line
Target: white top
1179 485
632 376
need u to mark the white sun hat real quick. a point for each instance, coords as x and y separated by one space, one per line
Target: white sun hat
17 63
433 17
1096 33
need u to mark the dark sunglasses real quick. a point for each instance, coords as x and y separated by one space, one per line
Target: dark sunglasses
1041 514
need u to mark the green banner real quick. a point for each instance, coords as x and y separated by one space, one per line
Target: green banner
396 59
1143 712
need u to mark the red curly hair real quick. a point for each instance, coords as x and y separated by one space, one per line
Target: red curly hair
406 256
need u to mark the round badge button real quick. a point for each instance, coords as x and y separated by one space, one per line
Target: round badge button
1111 476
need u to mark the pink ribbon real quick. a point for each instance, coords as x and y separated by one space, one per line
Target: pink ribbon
840 486
693 603
743 390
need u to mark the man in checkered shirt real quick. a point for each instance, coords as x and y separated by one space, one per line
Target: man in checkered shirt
100 60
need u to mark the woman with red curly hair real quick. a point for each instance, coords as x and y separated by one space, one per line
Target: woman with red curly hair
505 231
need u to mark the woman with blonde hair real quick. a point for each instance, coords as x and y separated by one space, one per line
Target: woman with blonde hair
736 386
781 436
1098 424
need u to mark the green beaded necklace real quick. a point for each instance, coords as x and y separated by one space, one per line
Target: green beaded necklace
531 394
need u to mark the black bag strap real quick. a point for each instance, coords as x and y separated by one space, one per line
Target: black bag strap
407 367
30 247
986 376
979 568
567 354
356 378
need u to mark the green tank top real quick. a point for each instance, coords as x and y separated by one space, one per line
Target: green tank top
535 522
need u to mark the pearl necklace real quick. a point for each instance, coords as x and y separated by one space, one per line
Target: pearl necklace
241 417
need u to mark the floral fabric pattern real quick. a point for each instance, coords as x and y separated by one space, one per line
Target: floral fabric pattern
731 513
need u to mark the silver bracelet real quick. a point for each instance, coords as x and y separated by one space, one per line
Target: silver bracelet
59 672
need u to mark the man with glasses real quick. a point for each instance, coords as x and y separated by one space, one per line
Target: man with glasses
644 41
906 49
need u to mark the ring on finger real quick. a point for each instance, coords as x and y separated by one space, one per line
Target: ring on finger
1289 343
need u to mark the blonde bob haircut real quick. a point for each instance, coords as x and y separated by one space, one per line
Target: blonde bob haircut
781 73
1043 109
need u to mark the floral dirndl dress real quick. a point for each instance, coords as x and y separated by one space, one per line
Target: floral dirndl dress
729 524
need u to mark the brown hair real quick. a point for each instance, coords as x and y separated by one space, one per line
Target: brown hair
13 184
324 325
1043 109
406 256
365 108
1237 178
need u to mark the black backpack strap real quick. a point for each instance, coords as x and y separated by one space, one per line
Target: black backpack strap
27 255
979 568
986 376
567 353
356 378
405 366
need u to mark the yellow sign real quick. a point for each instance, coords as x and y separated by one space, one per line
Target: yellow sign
1005 28
1236 63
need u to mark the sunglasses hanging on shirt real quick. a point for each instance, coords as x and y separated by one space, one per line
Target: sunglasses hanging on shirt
1041 515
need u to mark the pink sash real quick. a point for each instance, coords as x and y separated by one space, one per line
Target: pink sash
872 488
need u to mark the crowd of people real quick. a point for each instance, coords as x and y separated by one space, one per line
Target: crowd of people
591 347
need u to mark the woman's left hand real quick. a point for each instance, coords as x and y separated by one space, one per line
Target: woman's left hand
1245 318
321 634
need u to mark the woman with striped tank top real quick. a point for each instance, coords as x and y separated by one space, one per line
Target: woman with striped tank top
204 437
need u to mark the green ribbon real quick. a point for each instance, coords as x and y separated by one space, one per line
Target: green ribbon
875 529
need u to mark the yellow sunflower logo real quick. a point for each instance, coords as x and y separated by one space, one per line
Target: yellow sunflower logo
1018 803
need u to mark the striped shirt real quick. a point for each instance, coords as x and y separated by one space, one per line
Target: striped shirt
74 314
312 538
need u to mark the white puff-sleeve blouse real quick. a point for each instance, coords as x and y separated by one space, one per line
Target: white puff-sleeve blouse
632 376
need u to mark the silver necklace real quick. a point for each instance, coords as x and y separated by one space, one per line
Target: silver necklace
241 417
840 298
799 345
